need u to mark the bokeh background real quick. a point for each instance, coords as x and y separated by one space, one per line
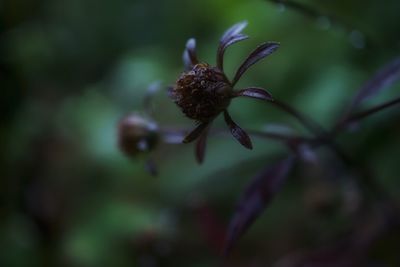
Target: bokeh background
69 70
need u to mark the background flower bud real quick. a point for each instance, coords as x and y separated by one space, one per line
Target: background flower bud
137 134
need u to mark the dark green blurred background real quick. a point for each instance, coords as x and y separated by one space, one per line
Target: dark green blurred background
69 70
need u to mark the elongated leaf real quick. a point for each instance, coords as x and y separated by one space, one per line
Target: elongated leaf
255 92
201 146
238 132
381 80
256 197
193 135
189 54
259 53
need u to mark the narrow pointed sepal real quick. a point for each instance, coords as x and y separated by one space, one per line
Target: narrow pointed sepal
240 135
234 30
189 54
254 92
193 135
231 36
259 53
201 146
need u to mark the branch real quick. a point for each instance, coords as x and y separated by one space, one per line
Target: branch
371 111
307 122
361 115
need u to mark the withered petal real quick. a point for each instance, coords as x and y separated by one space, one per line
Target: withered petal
201 145
189 54
233 30
254 92
237 132
231 36
259 53
193 135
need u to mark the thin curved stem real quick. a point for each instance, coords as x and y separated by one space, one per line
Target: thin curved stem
358 116
307 122
277 136
175 136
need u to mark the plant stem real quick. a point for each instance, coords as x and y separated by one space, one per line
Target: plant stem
307 122
175 136
363 114
322 137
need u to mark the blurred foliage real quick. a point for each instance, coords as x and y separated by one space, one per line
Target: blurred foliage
69 70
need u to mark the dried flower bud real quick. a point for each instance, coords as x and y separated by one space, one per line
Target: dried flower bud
137 134
202 92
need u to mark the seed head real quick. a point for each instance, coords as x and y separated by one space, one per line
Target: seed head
137 135
202 92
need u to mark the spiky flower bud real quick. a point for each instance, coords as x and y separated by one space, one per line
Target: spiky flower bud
202 92
137 135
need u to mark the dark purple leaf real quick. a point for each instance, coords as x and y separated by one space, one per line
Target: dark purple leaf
255 198
193 135
231 36
223 47
381 80
189 54
201 146
255 92
259 53
238 132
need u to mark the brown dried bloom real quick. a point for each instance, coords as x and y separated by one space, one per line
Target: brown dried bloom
202 91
